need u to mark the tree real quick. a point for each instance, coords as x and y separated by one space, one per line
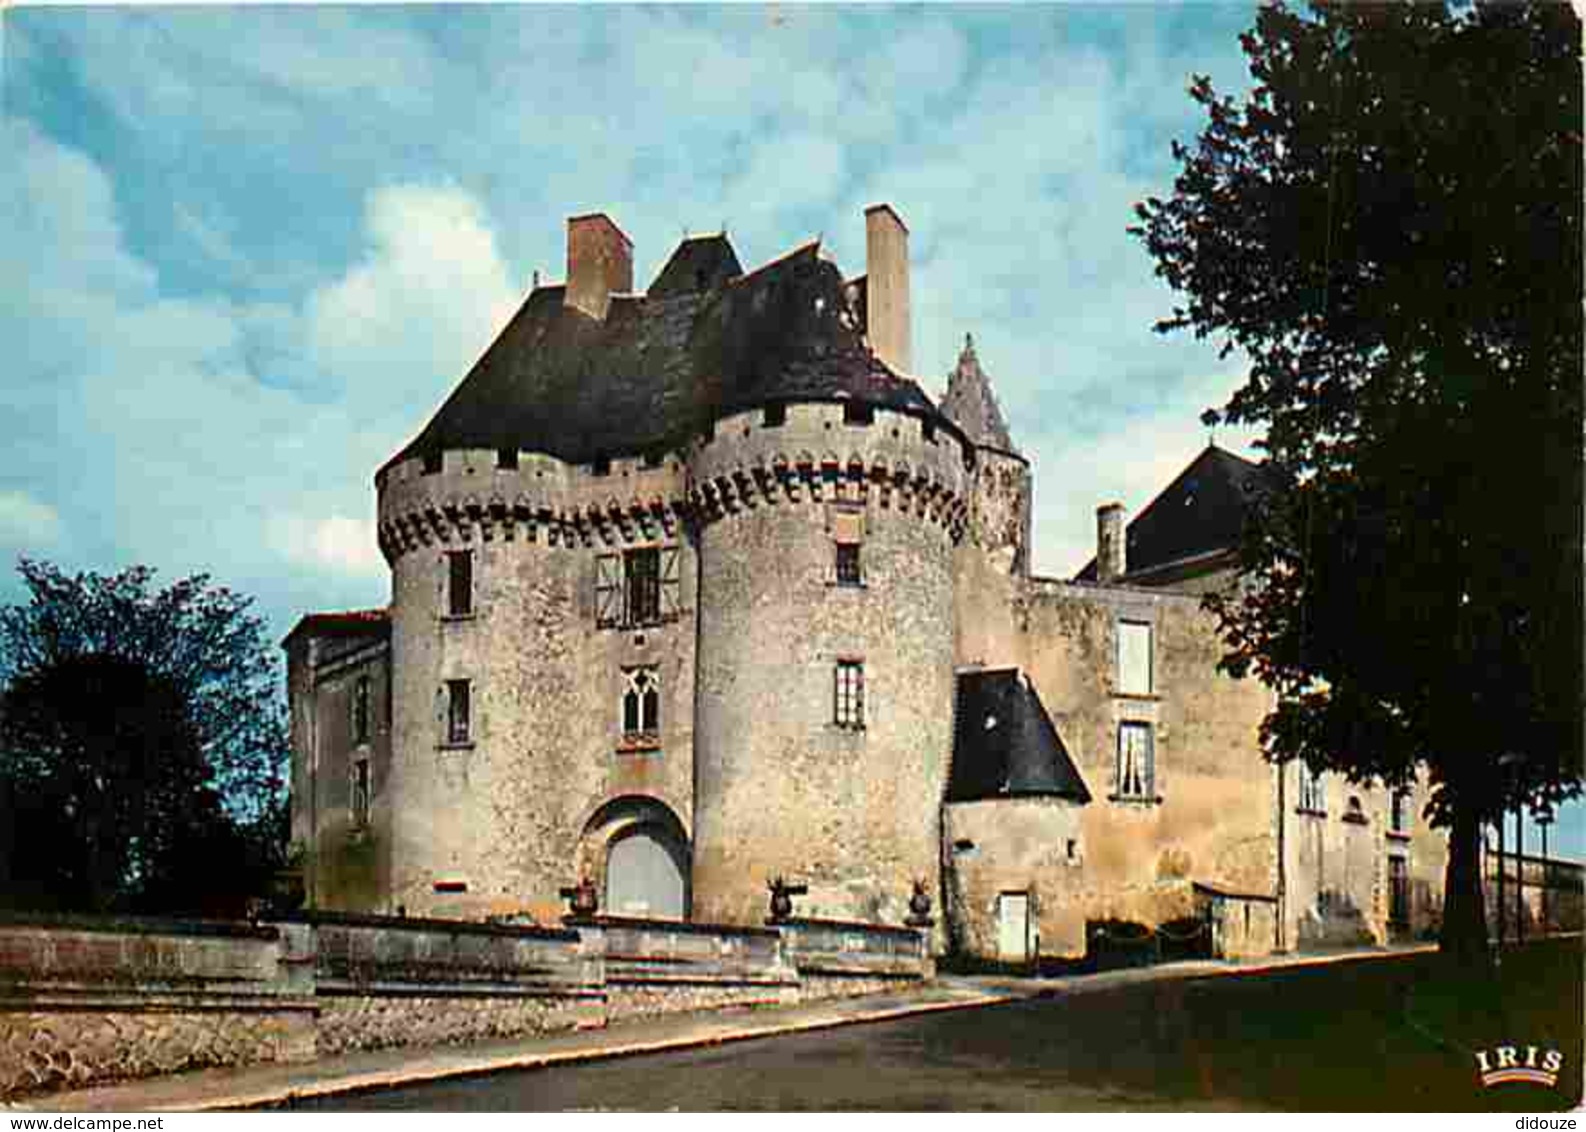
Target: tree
1389 228
142 743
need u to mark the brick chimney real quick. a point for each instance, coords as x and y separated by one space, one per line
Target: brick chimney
599 263
1111 553
887 286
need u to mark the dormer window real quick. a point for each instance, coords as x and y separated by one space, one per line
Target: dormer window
858 413
506 458
775 416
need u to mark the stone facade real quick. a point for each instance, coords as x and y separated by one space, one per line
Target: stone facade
726 566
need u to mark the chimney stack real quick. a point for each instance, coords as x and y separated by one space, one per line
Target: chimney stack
1111 554
599 263
887 286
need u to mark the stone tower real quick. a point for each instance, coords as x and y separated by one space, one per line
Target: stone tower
827 521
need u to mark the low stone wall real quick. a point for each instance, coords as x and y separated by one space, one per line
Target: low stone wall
87 1001
842 949
384 982
659 967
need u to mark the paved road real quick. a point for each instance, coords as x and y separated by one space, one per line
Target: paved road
1303 1040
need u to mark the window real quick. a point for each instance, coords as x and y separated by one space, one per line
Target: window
1398 890
459 583
1399 812
848 564
431 463
360 793
641 704
858 413
506 458
1136 769
642 580
928 430
459 725
848 706
1313 791
1134 658
775 416
637 587
600 466
360 711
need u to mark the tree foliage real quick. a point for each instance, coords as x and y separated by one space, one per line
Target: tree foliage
142 745
1388 228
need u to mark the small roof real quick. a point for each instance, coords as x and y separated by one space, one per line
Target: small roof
972 405
1004 742
344 623
1200 513
700 263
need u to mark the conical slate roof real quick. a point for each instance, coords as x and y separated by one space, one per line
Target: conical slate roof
972 405
1004 742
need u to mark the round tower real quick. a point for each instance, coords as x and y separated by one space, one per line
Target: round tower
512 772
825 680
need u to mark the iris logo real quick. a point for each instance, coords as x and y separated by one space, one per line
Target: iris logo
1504 1063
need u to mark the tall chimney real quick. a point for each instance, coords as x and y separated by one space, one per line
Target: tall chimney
599 263
887 286
1111 554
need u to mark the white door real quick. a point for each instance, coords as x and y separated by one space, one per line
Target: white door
1013 926
643 878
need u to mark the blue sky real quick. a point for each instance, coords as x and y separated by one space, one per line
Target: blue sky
248 251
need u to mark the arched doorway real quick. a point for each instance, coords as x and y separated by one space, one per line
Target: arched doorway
644 875
636 850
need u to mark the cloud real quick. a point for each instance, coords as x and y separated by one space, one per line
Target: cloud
26 524
429 293
337 542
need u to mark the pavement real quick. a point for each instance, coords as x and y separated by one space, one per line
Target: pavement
264 1086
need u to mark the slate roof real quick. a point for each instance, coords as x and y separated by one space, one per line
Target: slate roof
1201 512
700 263
663 365
971 403
1004 742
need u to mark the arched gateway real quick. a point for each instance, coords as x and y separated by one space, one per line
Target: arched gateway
637 848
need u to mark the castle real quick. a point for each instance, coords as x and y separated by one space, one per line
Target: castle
696 588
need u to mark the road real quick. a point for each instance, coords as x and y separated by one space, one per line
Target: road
1303 1040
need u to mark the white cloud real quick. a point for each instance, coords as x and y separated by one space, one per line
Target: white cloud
26 524
403 324
337 542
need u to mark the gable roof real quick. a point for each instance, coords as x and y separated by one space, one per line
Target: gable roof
1004 742
1200 513
971 403
661 366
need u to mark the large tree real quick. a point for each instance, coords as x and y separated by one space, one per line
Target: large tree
142 744
1388 227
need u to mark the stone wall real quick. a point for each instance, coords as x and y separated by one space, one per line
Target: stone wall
84 1002
346 862
1210 813
87 1000
1032 846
